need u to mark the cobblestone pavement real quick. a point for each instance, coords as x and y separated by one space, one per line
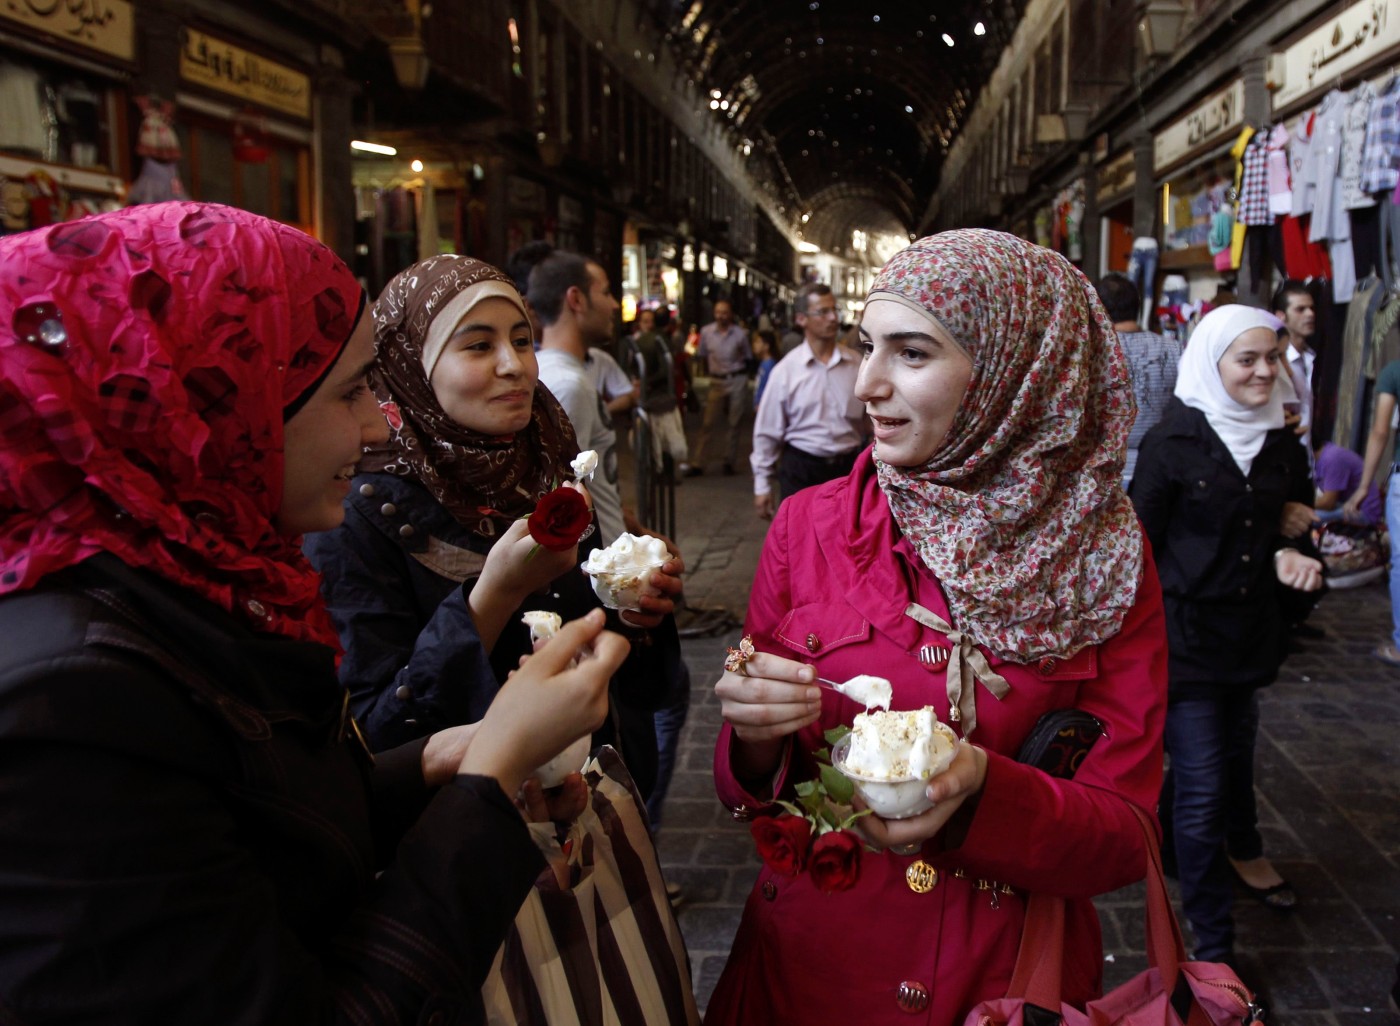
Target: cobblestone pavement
1327 775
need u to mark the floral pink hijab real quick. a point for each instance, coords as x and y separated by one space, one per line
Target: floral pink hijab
1020 514
148 360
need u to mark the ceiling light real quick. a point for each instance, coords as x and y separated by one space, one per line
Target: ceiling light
908 109
714 105
947 39
369 147
416 165
715 94
979 29
723 104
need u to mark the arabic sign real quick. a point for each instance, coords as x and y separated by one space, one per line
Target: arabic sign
106 26
1117 176
224 67
1358 34
1215 119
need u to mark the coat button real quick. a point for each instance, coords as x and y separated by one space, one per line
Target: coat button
813 643
402 692
406 531
770 891
366 489
388 509
1047 666
913 996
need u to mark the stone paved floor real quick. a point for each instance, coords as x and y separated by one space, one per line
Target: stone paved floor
1328 758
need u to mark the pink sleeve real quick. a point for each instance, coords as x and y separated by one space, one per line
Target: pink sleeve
1077 838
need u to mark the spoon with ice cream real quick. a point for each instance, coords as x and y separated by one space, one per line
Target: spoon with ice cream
871 692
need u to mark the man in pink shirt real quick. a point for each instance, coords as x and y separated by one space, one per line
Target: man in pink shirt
809 427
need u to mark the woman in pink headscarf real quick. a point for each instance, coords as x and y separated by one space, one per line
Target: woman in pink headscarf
982 557
194 830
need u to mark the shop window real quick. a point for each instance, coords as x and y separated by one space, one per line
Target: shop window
57 115
276 186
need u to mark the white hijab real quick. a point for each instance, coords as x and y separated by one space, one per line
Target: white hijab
1198 384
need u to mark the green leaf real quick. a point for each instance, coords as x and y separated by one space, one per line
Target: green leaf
814 803
822 755
806 787
840 789
845 824
829 817
835 734
789 807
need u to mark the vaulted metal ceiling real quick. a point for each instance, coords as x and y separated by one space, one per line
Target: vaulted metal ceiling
848 106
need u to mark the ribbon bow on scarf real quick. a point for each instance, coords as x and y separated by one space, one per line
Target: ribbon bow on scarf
966 665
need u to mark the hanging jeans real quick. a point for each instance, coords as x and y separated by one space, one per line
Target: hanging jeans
1142 269
1207 807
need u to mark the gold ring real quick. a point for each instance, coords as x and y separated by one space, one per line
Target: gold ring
735 658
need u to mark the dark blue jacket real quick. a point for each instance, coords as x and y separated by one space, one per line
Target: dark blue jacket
193 834
397 573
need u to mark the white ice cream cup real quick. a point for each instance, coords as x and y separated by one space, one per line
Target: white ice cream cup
888 799
624 588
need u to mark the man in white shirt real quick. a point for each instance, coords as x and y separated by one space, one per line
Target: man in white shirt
1293 305
575 306
810 426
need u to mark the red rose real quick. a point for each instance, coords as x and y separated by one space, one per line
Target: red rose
560 519
835 861
782 842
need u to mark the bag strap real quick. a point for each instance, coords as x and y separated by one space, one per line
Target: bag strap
1039 962
1165 948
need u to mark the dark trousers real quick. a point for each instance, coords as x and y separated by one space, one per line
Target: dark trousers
798 469
1207 807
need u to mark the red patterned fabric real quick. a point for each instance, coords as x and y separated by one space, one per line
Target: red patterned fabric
147 360
1020 514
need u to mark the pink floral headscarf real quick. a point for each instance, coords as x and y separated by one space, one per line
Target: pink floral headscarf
1019 513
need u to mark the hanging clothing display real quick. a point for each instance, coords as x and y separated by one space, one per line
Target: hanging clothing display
1351 419
1380 154
1354 197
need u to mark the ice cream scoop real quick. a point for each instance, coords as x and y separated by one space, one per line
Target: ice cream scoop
622 572
910 744
544 625
871 692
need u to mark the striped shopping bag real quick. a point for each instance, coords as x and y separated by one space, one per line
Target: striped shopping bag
596 942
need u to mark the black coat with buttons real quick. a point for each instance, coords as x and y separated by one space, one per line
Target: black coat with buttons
396 576
193 834
1214 532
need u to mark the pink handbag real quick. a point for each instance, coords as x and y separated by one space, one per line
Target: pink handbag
1171 992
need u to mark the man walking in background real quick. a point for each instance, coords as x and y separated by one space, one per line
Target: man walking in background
1152 360
724 353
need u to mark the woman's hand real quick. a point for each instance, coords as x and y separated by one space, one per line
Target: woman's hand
1297 570
773 698
1296 520
561 804
444 752
666 580
544 706
948 791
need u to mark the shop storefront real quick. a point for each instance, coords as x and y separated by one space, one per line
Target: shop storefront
1116 180
65 94
1194 168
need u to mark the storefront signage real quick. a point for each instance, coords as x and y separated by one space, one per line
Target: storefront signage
1215 119
1354 37
1117 176
106 26
228 69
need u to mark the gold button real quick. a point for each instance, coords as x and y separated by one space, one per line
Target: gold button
913 996
813 643
921 877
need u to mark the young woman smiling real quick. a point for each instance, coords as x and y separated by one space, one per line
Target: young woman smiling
1220 486
435 551
988 518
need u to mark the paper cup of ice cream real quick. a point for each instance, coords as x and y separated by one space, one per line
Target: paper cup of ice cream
890 756
621 573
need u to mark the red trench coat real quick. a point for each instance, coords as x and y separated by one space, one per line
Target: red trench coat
831 589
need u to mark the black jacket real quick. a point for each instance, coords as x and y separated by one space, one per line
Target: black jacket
192 836
396 574
1214 533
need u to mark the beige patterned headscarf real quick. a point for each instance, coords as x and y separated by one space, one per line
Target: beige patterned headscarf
485 481
1019 513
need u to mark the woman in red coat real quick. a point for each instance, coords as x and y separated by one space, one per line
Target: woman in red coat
983 558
